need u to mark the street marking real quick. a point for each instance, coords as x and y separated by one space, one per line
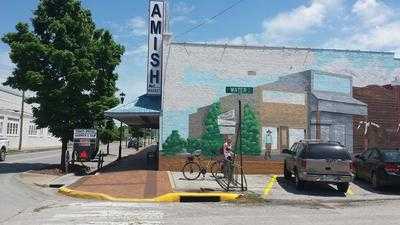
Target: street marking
269 185
349 192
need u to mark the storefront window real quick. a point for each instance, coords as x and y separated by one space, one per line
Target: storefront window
323 82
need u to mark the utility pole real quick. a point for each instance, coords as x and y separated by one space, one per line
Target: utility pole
21 119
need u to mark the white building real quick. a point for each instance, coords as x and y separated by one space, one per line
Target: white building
10 121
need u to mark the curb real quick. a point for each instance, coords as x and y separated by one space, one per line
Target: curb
170 197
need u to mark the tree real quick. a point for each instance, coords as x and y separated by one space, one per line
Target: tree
174 144
108 133
69 64
193 144
212 139
250 132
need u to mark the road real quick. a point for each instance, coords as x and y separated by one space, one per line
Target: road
25 204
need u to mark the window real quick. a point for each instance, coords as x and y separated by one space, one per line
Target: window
32 129
12 126
284 97
324 82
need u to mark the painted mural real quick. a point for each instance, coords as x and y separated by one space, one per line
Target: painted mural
299 93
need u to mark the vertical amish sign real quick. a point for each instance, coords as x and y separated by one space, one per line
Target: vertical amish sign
154 64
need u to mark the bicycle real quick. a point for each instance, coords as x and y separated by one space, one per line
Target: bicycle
194 166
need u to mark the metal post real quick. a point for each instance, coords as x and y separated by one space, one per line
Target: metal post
21 120
240 145
120 142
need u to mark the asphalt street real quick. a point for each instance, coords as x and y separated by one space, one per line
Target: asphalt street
25 204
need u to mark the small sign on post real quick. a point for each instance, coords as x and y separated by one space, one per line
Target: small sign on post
239 90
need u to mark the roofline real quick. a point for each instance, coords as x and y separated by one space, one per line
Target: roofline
8 91
278 47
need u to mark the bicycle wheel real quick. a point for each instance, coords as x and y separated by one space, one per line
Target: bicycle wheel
217 169
191 171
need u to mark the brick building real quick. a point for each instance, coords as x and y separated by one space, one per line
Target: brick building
383 116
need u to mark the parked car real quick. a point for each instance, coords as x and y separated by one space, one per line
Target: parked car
3 148
381 167
313 161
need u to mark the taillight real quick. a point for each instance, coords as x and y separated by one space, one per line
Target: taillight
303 163
83 155
391 168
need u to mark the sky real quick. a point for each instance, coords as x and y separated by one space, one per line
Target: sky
342 24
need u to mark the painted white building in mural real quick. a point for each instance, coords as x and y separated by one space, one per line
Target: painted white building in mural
10 122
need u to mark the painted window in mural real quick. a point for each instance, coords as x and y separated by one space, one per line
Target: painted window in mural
295 135
284 97
324 82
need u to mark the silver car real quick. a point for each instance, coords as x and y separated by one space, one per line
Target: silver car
326 162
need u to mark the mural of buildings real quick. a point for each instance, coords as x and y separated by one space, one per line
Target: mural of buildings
195 76
298 106
381 127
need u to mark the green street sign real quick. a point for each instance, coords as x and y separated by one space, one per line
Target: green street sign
239 90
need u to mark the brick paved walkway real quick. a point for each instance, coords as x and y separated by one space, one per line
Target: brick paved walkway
131 177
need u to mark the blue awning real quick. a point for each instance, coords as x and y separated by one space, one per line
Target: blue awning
143 112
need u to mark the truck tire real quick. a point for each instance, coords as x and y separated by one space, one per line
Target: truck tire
3 154
286 173
298 182
343 187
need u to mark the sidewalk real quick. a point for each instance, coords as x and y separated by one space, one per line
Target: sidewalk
131 179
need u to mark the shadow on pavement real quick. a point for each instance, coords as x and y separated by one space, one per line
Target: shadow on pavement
21 167
317 189
146 159
388 190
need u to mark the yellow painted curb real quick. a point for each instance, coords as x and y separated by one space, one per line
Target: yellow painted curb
170 197
269 186
349 192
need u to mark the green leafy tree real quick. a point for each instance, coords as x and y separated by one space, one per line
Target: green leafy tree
174 144
212 139
108 134
250 132
69 64
193 144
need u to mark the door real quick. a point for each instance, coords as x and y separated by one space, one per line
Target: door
283 137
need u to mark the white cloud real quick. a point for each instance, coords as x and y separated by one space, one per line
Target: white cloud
137 26
377 28
299 20
372 12
291 25
183 8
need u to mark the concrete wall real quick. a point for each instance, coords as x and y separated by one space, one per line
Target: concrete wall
10 108
196 74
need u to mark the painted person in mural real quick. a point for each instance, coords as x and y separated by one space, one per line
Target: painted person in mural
268 144
227 150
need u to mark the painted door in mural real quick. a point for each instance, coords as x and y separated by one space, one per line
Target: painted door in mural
283 137
339 134
296 135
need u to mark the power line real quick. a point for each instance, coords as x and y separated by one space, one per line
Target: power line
209 19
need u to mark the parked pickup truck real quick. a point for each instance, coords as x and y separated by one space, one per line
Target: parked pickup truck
3 148
323 162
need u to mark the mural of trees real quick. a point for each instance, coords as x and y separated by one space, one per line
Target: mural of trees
193 144
174 144
250 132
211 138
